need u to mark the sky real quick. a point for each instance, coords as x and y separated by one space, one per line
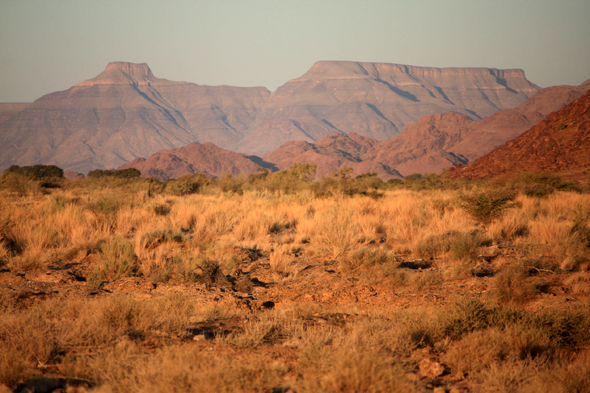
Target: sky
47 46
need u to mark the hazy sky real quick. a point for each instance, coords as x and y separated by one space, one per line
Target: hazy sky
47 46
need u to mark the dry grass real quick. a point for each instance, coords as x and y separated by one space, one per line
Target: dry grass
208 248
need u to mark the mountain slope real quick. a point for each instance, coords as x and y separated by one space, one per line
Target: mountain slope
558 144
449 139
123 113
330 154
433 143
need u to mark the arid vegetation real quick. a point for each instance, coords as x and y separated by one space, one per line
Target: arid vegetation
279 283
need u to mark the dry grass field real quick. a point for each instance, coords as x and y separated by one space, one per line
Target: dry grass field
282 284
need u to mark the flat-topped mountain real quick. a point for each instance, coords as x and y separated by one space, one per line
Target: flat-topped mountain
126 112
378 100
558 144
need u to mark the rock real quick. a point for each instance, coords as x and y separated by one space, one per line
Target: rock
430 368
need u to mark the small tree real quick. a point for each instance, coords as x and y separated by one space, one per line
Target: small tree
487 205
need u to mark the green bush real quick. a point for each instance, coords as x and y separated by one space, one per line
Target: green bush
534 184
487 205
37 172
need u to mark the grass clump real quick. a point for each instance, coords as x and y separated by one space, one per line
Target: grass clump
460 245
116 259
106 211
151 240
162 209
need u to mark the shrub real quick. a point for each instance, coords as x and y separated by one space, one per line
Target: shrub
106 210
487 205
228 183
129 173
534 184
37 172
187 184
162 209
116 259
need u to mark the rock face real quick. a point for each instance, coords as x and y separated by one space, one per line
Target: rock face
558 144
205 158
126 112
432 144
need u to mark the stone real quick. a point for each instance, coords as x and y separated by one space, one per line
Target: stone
430 368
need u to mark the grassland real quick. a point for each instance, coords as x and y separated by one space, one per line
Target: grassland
279 283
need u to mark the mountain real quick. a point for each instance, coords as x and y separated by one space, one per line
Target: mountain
378 100
205 158
445 140
126 112
433 143
558 144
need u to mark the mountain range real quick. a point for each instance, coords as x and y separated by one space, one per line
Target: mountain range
432 144
126 112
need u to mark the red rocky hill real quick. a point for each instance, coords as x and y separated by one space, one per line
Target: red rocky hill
205 158
558 144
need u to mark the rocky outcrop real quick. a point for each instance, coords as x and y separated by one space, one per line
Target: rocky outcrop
206 159
126 112
331 153
558 144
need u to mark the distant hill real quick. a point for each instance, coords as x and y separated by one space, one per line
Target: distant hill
331 153
206 159
126 112
558 144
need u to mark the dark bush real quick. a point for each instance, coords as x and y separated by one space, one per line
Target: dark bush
187 184
37 172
